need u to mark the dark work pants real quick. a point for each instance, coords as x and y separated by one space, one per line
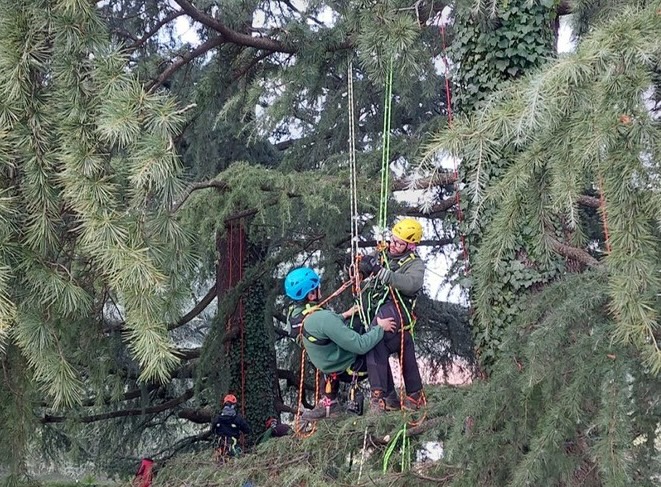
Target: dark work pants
378 366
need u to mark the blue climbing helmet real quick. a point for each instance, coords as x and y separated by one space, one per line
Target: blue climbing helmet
300 282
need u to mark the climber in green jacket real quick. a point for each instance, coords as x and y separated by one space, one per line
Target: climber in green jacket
333 347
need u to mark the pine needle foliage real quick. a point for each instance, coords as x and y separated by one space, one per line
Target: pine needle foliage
88 176
581 122
566 405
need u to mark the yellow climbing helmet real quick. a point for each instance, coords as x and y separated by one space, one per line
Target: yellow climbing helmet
408 230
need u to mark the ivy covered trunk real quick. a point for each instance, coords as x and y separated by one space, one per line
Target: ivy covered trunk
490 51
248 349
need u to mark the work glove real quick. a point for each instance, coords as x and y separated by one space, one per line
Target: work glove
369 264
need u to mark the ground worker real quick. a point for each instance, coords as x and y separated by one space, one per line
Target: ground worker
398 277
274 429
333 347
228 426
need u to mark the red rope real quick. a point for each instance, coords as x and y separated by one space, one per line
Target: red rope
230 281
448 102
242 319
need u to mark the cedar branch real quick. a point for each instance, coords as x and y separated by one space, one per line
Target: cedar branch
230 35
124 412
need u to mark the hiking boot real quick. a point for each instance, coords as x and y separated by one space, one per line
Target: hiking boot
320 411
414 401
392 401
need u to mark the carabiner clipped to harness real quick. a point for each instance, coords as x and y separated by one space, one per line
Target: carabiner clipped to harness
356 399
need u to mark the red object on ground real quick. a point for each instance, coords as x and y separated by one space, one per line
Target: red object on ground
145 474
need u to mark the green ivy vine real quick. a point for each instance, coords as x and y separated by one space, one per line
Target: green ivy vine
488 50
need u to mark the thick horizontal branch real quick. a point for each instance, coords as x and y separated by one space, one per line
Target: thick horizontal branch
573 253
435 211
123 412
189 353
127 396
230 35
199 416
589 201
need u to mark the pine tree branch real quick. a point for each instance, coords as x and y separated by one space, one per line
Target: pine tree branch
124 412
230 35
243 71
589 201
127 396
189 353
439 179
199 416
221 185
436 211
199 307
573 253
184 59
165 20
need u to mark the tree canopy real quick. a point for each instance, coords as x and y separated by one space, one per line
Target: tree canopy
153 192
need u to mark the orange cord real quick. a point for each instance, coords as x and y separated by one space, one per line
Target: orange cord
402 390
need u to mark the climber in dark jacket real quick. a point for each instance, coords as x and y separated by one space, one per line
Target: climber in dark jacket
229 425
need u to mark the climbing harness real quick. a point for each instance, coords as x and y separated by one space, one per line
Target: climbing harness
226 447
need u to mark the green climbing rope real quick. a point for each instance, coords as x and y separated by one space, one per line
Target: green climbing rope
385 154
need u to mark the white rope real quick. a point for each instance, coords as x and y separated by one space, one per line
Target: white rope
353 185
362 456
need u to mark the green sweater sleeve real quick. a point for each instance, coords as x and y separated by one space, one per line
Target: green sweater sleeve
409 279
344 337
